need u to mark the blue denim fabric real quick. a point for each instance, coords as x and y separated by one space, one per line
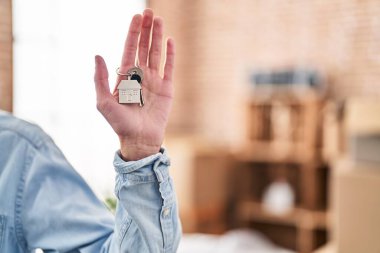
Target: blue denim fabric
45 204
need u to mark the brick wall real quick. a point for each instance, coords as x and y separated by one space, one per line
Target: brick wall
220 42
207 68
6 55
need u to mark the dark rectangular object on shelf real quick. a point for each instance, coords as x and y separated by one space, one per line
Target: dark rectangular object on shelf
287 77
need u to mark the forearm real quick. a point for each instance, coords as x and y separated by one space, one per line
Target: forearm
147 211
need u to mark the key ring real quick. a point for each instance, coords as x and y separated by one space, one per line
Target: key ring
131 72
121 74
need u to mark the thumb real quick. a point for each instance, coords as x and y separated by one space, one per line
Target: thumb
103 95
101 79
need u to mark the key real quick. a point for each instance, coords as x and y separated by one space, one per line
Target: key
136 74
141 99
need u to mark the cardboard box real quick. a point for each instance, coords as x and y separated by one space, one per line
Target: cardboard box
356 208
201 174
362 125
362 116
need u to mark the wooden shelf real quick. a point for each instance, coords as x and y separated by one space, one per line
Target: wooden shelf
269 92
297 217
305 224
284 143
267 152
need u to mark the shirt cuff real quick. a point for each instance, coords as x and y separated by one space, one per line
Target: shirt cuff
157 163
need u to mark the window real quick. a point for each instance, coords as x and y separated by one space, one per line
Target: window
54 49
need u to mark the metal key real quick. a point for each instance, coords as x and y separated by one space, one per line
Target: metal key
136 74
141 98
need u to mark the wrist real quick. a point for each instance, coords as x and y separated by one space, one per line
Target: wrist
134 152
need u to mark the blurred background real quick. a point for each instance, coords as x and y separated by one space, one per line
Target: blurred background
275 130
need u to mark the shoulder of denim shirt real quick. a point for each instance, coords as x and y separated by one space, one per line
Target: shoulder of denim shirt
25 130
123 167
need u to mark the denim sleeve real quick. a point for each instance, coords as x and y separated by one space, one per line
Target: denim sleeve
147 206
58 212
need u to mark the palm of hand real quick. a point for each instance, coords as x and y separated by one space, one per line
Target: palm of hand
147 123
140 129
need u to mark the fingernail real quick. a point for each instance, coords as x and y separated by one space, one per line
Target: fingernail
97 59
146 11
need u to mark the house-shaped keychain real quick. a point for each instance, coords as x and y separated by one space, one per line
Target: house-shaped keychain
130 92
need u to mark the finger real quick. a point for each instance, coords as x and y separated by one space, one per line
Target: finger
145 37
104 99
155 49
130 46
169 61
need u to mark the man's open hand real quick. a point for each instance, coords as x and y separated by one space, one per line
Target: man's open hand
140 129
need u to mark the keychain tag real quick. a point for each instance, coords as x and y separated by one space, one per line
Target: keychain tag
129 92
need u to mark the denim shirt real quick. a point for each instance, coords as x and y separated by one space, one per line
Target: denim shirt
45 204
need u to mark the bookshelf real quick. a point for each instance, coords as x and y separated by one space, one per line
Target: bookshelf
284 143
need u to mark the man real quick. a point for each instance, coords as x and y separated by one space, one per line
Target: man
45 204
